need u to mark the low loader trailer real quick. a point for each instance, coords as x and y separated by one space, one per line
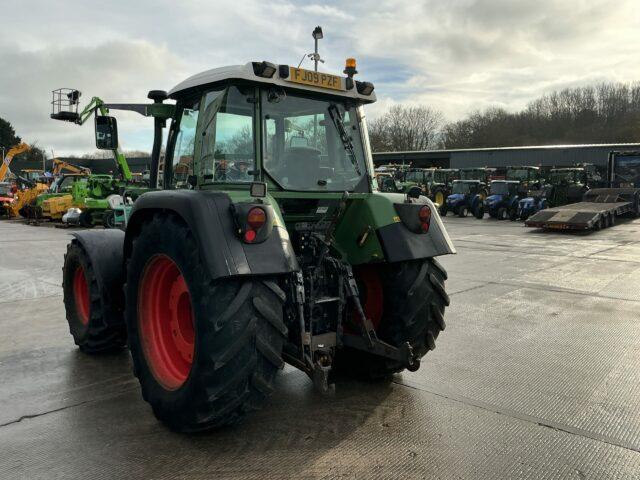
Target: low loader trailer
599 207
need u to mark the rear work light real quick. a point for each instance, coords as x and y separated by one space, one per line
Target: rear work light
424 214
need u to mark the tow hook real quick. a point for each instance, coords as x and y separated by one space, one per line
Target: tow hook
320 376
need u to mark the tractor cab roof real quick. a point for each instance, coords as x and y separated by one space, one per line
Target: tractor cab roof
467 181
567 169
505 181
283 76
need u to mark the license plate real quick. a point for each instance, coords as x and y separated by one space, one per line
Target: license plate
316 79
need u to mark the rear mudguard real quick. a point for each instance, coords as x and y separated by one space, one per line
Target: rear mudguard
400 244
208 216
104 249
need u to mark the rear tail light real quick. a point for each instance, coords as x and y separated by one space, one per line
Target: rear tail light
424 214
256 218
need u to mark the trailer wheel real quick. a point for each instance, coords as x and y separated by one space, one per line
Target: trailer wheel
93 330
598 223
612 219
412 308
205 352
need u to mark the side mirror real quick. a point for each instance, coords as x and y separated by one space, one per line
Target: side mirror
106 133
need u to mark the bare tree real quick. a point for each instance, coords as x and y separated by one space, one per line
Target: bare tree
607 112
406 128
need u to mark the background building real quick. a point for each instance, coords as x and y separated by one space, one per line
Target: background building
551 156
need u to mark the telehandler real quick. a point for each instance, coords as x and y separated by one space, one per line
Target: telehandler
277 248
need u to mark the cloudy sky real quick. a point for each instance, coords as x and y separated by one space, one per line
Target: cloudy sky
454 55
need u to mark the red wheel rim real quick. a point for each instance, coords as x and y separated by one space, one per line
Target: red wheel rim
165 319
81 295
371 292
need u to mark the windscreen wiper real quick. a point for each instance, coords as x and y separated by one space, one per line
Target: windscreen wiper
336 118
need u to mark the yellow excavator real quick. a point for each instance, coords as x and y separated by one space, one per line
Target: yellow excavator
28 191
60 166
13 151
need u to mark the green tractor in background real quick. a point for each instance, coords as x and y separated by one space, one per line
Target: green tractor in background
273 250
440 183
483 174
530 178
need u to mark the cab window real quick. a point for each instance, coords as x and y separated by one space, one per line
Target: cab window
184 147
228 140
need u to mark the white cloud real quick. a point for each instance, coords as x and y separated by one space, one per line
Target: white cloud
456 56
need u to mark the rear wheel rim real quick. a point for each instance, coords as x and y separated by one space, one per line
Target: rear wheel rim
81 295
371 293
166 322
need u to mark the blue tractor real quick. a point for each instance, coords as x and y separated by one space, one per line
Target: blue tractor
466 197
502 202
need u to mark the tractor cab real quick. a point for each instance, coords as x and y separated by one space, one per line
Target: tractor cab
529 178
502 202
483 174
624 169
466 196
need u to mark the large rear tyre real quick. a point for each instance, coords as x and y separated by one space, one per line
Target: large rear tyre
93 327
205 352
410 305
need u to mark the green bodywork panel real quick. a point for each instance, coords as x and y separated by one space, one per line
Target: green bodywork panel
355 235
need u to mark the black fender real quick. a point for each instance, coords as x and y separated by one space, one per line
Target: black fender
400 242
105 251
208 215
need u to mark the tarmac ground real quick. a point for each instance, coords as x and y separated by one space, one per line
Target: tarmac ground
537 376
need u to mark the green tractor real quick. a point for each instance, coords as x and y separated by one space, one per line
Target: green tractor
440 183
483 174
530 178
275 247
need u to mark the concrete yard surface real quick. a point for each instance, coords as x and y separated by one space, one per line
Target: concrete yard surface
537 376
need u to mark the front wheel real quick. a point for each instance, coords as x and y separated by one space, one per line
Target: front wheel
409 305
109 219
462 211
479 212
205 352
502 213
90 315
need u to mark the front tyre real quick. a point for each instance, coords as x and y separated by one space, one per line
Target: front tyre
205 352
405 302
92 322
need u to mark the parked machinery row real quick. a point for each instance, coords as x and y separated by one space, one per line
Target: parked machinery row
577 197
